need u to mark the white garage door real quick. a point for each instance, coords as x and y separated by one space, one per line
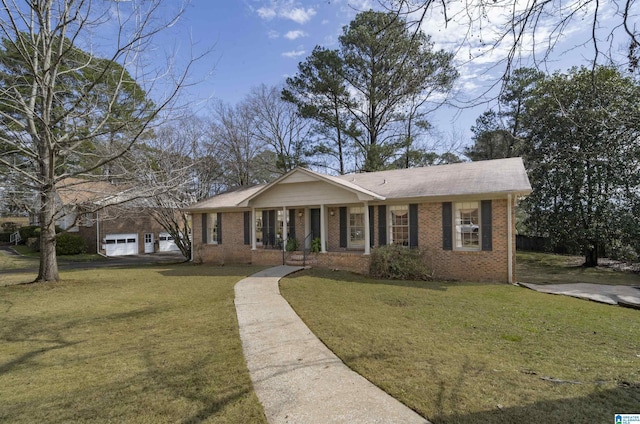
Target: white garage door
166 243
121 244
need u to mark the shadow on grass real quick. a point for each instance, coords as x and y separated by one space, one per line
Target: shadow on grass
200 270
600 406
184 381
349 277
40 331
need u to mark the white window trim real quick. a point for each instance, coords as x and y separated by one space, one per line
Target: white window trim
212 222
391 224
456 226
350 244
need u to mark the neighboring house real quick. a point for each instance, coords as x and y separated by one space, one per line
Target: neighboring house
464 214
110 218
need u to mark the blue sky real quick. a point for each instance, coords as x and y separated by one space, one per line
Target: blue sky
262 41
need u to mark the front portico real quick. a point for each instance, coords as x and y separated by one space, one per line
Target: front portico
314 197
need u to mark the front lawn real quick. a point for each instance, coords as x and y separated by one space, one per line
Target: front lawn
547 268
147 345
477 353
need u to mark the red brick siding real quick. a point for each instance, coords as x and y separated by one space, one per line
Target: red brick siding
457 265
465 265
346 261
231 250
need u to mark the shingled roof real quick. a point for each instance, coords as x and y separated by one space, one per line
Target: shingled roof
459 179
492 177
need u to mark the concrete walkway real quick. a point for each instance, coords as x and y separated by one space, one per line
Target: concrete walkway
613 295
296 377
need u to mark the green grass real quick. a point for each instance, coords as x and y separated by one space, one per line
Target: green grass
477 353
545 268
147 345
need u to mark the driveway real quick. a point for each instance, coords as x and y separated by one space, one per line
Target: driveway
118 261
628 296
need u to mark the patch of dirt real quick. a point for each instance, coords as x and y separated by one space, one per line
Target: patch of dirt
618 266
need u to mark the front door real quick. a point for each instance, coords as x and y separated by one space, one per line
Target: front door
148 242
315 223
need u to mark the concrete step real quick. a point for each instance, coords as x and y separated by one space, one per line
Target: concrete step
299 260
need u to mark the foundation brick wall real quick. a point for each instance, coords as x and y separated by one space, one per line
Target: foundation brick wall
450 264
345 261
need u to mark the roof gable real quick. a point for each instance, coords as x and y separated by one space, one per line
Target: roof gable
302 175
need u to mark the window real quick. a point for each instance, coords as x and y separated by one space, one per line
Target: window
269 227
212 227
356 227
259 224
467 225
399 224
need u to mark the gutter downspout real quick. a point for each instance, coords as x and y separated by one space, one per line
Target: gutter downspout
509 239
98 237
192 241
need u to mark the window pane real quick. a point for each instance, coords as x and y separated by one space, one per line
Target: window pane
399 224
356 227
467 228
212 227
259 226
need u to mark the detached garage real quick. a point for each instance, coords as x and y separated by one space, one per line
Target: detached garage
121 244
167 244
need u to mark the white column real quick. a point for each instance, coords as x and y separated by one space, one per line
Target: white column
285 228
367 236
323 228
253 229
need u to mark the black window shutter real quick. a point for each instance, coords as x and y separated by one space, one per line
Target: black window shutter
382 225
265 228
343 226
219 228
371 227
247 227
272 227
204 228
485 217
413 225
292 224
447 226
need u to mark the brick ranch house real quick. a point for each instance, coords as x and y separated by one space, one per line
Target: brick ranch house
464 214
92 209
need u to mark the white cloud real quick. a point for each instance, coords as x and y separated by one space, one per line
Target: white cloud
266 13
292 35
294 53
298 14
273 34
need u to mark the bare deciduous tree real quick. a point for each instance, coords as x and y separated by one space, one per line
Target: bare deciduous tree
533 29
69 105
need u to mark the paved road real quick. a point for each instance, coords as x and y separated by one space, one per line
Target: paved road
296 377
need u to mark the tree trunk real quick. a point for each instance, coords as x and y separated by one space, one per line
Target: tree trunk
591 256
48 262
